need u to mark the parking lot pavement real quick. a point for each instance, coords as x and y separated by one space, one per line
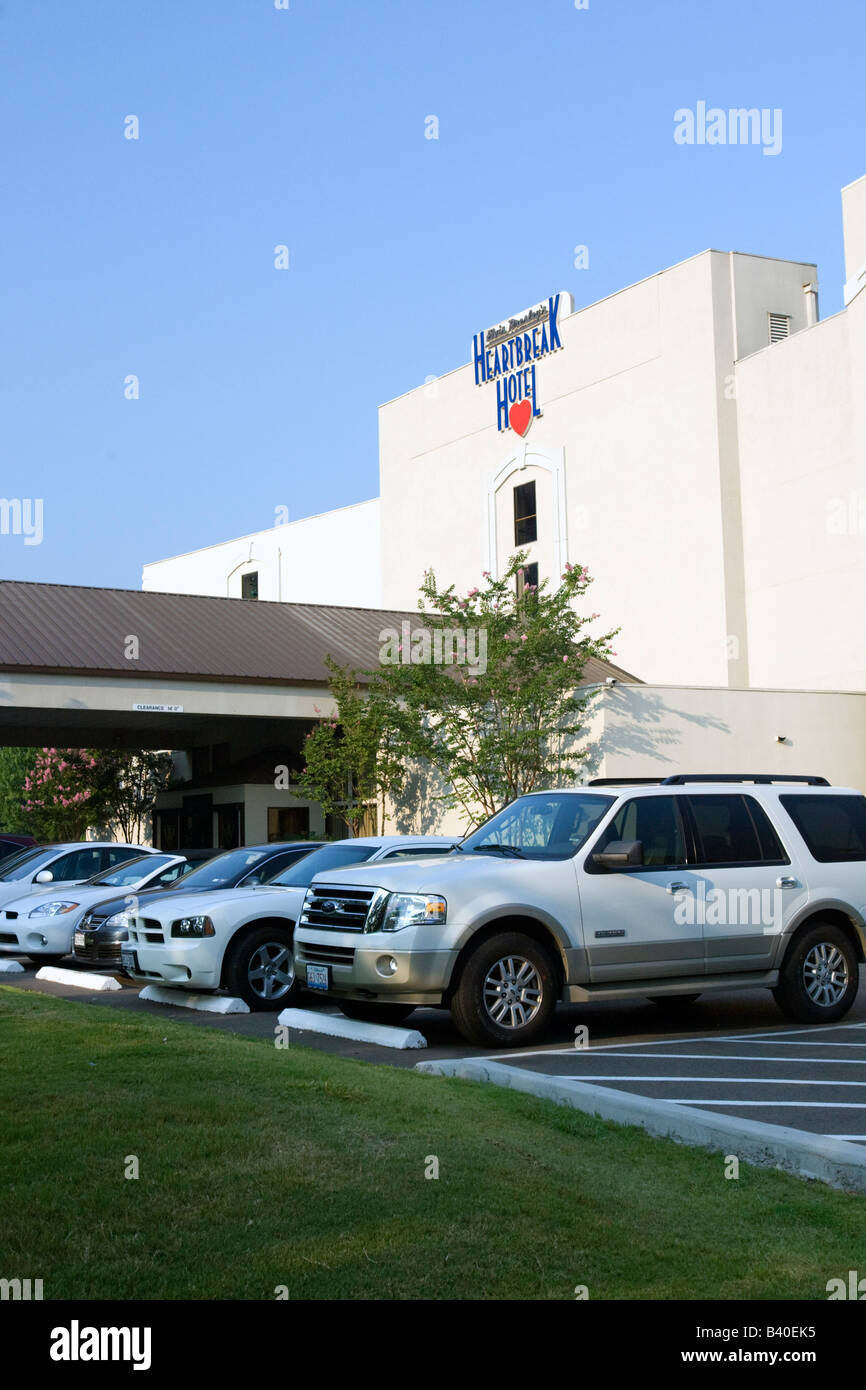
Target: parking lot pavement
805 1078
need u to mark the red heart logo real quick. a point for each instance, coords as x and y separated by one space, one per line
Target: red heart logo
520 417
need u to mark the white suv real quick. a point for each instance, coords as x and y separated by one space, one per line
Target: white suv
242 937
606 892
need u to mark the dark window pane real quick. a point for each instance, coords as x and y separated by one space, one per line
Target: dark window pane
655 821
772 849
834 827
726 834
288 822
525 521
250 585
530 576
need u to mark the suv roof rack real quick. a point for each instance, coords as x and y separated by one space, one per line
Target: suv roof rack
624 781
679 778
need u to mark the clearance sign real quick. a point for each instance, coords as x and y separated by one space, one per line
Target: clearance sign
507 356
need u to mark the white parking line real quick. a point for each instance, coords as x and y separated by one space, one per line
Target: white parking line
739 1057
711 1038
713 1080
777 1104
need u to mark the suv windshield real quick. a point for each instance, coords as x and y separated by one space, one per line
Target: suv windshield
322 860
547 825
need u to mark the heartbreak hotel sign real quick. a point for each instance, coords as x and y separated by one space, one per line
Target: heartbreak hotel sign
507 354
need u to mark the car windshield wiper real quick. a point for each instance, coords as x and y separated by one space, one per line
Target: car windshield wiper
497 845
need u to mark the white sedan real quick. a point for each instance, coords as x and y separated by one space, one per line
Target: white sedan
242 938
41 924
68 863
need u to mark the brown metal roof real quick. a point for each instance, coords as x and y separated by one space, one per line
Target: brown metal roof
65 629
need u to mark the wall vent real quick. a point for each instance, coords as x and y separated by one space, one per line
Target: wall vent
780 327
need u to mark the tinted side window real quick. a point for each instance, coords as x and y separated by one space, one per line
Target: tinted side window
733 829
82 863
834 827
118 854
656 822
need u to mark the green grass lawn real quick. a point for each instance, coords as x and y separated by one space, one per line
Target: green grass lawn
262 1167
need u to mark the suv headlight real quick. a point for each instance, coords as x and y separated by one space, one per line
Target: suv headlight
193 926
412 910
52 909
118 919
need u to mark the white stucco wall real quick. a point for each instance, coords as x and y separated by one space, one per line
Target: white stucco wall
639 414
330 559
647 731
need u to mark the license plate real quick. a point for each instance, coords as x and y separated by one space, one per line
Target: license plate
78 939
129 959
318 977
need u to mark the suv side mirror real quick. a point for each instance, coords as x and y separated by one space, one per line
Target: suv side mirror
44 876
620 854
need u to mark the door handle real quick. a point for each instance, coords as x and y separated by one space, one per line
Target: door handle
678 888
785 881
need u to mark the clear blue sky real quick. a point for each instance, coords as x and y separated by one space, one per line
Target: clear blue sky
258 126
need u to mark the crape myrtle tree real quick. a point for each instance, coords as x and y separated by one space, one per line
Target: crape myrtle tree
484 691
65 792
509 718
135 780
351 761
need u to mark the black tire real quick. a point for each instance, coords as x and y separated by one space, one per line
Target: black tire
53 959
673 1001
487 973
801 993
374 1012
253 952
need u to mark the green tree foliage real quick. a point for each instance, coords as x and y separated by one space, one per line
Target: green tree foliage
514 722
16 765
351 761
503 716
62 793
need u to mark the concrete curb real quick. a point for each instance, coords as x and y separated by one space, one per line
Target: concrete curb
832 1161
11 967
206 1003
81 979
338 1026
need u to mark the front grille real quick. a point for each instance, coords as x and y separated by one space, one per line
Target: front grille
8 938
326 955
338 908
147 929
98 950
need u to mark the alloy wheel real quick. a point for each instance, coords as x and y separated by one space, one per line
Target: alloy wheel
825 974
512 992
271 971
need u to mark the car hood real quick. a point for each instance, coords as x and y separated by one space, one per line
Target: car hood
428 874
47 893
168 906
